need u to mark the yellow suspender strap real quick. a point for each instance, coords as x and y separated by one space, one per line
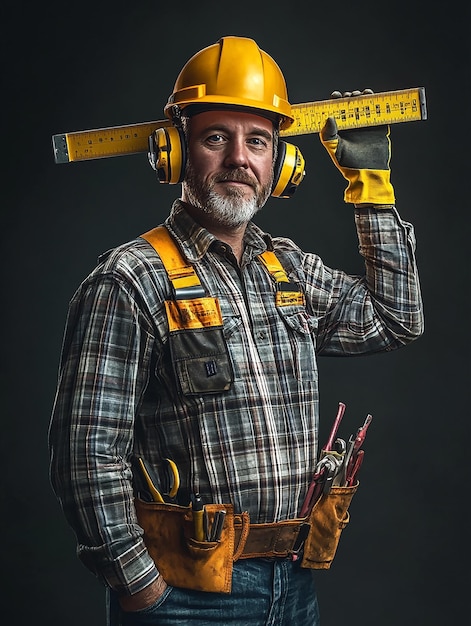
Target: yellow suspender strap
270 261
288 293
182 275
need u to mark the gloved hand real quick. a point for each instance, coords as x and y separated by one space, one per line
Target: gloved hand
362 156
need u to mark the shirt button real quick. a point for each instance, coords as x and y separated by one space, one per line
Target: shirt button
261 335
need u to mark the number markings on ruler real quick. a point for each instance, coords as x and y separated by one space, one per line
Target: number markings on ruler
104 142
391 107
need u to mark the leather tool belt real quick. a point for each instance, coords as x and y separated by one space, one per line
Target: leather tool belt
277 540
207 565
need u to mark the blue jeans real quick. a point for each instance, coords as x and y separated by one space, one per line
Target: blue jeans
264 593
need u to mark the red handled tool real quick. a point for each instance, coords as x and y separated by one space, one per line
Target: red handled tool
325 468
335 426
353 459
339 463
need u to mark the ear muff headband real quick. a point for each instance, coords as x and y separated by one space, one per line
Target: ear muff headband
167 156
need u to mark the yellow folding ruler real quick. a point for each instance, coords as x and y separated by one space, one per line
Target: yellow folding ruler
388 107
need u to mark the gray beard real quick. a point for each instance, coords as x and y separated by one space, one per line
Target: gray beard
231 210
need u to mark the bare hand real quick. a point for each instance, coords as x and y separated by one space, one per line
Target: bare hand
146 597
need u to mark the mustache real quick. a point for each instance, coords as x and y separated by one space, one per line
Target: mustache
236 176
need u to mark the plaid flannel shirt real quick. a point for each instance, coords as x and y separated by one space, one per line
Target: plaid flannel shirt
255 445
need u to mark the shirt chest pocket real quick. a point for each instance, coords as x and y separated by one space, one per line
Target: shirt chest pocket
300 339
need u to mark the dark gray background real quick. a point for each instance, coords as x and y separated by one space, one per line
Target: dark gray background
404 559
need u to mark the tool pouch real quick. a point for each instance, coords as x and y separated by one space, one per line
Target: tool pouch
183 561
327 519
199 351
201 361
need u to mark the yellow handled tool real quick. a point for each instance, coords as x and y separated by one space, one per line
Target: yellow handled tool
148 480
389 107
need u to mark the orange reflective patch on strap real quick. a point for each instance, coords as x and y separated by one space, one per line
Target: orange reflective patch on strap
289 298
194 313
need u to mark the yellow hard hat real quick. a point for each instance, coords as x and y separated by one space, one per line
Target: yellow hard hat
235 72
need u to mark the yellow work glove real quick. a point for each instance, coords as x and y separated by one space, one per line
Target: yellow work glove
362 156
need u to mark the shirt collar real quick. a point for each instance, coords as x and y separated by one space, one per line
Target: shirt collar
195 240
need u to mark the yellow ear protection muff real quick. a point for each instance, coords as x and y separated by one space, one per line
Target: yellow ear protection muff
167 156
288 171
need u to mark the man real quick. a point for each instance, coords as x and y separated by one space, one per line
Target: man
235 408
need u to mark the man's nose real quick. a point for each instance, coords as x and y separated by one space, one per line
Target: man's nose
236 154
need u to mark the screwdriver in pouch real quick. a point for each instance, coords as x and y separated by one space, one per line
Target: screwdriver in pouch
218 524
198 516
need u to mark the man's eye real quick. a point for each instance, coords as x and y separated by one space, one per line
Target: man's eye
258 142
215 138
